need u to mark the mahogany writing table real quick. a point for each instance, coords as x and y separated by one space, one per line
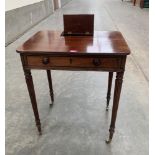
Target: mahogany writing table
49 50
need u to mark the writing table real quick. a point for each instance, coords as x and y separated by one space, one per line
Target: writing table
50 50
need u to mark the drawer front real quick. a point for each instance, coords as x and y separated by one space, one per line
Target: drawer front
81 62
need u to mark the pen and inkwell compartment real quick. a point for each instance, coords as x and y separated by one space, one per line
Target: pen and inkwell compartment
78 25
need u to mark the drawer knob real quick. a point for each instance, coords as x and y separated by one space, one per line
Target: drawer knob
45 61
96 61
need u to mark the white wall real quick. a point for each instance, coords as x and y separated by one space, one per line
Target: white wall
13 4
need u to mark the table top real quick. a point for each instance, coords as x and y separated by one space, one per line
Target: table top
52 42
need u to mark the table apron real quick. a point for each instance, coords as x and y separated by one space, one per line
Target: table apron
94 63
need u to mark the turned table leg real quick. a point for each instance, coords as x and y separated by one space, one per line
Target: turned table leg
50 86
109 89
117 92
134 2
30 86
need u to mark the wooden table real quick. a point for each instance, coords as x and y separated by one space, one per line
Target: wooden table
49 50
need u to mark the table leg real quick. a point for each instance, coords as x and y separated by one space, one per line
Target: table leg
50 86
117 92
109 89
30 86
134 2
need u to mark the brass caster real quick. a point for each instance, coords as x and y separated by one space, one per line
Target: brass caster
107 108
51 105
40 133
39 129
108 141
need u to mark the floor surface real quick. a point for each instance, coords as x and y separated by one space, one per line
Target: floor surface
78 122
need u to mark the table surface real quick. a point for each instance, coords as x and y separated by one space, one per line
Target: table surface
50 42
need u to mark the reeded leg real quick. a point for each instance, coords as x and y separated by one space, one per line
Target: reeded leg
50 86
30 86
117 92
134 3
109 89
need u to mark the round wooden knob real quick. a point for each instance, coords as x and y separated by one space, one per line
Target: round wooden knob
96 61
45 61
